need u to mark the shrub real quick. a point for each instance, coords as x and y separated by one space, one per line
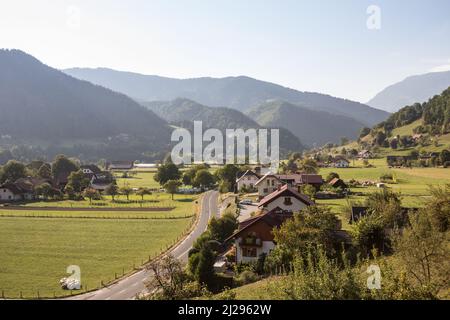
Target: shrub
246 277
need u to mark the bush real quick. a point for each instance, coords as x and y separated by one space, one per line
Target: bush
369 233
246 277
315 277
388 177
220 283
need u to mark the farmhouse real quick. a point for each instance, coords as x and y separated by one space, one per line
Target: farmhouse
22 189
9 192
28 185
268 184
101 181
340 163
338 183
247 180
364 154
315 180
254 236
120 165
285 198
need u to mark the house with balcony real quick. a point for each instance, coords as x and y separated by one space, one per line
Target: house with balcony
254 236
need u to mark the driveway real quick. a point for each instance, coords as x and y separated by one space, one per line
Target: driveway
246 210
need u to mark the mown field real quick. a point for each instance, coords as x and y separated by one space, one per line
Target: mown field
412 184
35 252
138 179
155 200
37 245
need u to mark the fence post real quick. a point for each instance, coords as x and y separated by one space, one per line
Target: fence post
21 296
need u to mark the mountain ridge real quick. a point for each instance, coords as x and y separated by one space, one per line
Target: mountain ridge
40 102
312 127
241 93
182 112
412 89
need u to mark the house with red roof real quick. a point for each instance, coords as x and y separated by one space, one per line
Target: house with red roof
285 198
255 237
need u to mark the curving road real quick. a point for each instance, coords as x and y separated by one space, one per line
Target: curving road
132 285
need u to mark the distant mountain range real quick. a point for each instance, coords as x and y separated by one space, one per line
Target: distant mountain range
38 102
313 127
241 93
183 112
413 89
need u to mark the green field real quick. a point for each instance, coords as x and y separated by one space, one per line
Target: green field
155 200
36 251
138 179
412 184
37 245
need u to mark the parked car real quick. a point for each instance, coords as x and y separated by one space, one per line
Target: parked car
246 202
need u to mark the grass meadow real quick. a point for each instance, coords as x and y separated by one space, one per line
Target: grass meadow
412 184
37 245
35 252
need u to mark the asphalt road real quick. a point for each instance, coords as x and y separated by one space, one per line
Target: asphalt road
132 285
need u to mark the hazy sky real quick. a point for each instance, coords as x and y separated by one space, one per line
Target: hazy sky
321 46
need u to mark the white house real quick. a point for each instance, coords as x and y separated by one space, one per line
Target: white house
268 184
247 180
10 193
286 199
364 154
254 236
341 163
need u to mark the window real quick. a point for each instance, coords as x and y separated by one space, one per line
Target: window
287 201
265 190
249 252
